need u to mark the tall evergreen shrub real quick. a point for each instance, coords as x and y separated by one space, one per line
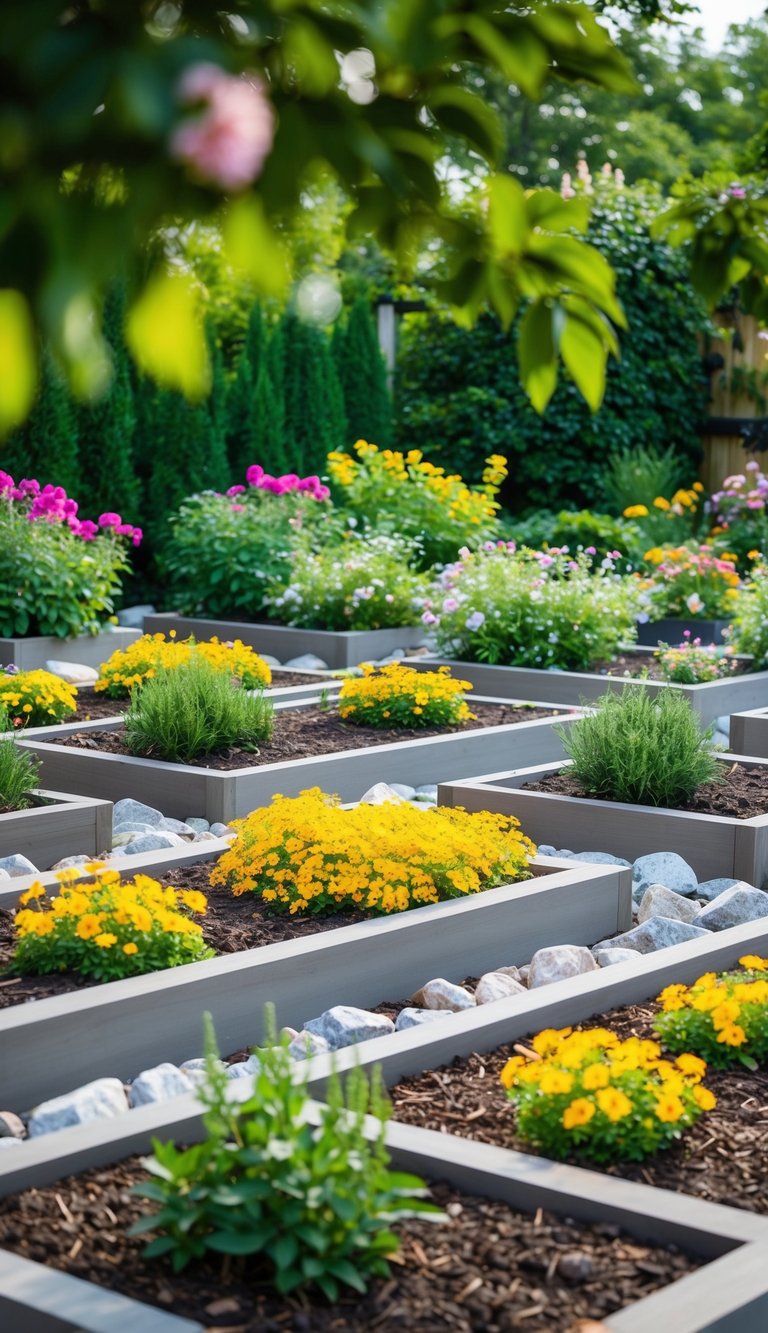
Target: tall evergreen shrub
46 446
363 377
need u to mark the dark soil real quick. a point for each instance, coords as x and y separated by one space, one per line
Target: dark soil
742 794
230 925
723 1158
645 665
488 1267
306 732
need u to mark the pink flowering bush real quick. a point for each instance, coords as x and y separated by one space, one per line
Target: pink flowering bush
517 607
740 512
59 573
226 142
225 551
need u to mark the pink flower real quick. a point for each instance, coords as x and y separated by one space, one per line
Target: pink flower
137 536
89 530
226 143
236 490
737 191
254 474
109 520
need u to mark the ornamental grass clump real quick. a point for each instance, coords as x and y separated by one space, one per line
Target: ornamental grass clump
523 608
193 710
141 660
19 772
309 854
641 749
106 929
589 1093
36 698
301 1193
723 1017
399 696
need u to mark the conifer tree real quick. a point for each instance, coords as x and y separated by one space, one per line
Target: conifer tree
268 428
363 375
315 421
217 469
46 446
106 432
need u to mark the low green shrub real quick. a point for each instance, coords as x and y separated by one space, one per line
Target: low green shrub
641 749
19 772
362 583
192 710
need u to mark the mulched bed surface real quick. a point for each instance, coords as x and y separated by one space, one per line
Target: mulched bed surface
307 732
723 1158
229 926
742 795
487 1268
645 664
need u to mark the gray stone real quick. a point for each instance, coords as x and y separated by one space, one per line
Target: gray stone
733 908
427 793
658 932
379 794
205 837
152 842
610 957
185 831
17 865
598 858
67 861
270 660
220 830
413 1018
159 1084
100 1100
343 1025
306 662
199 825
306 1044
712 888
545 849
401 789
11 1125
75 673
245 1068
658 901
525 972
132 617
665 868
126 832
494 986
441 994
128 811
514 972
195 1069
559 961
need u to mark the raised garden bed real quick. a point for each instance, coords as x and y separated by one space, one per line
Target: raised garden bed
714 699
57 825
251 781
339 648
749 733
91 650
670 630
714 844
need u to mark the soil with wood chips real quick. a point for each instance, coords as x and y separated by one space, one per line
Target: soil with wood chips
742 793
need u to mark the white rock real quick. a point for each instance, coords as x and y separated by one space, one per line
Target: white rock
11 1125
195 1069
10 1143
185 831
733 908
658 932
270 660
514 972
128 811
427 793
497 986
4 874
558 961
658 901
100 1100
610 957
245 1068
441 994
413 1018
665 868
159 1084
124 833
524 972
343 1025
205 837
401 789
306 1044
17 865
152 842
306 662
67 861
220 830
723 723
712 888
199 825
379 794
75 673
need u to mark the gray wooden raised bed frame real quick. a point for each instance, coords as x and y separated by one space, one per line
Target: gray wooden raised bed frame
714 699
339 648
89 650
180 790
750 729
62 825
713 845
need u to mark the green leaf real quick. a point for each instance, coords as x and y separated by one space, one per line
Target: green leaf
461 112
237 1242
507 216
536 354
584 355
284 1251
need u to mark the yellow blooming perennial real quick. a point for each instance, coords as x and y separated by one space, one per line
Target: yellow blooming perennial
723 1017
140 661
612 1100
399 696
36 698
308 854
104 928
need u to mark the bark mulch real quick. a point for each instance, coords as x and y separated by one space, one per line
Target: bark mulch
723 1158
306 732
230 925
742 794
488 1268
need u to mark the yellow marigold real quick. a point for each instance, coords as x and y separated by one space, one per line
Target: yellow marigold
754 963
732 1035
595 1076
661 503
669 1108
580 1112
105 940
636 511
130 948
613 1103
556 1081
88 926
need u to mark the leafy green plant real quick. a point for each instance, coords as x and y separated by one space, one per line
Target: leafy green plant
192 710
723 1016
749 629
19 772
357 584
305 1189
641 749
573 528
636 474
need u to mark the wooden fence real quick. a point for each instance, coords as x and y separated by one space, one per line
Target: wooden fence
738 396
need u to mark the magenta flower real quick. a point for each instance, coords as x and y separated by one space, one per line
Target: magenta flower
226 143
236 490
109 520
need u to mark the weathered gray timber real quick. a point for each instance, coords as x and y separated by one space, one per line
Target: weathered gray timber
670 630
713 844
59 825
749 732
339 648
89 650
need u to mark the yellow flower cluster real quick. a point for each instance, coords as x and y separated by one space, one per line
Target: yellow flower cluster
682 502
466 504
399 696
105 928
723 1017
141 660
36 698
618 1100
307 853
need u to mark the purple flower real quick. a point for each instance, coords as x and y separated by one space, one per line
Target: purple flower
475 620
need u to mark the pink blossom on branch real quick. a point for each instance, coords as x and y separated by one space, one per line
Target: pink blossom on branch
226 143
